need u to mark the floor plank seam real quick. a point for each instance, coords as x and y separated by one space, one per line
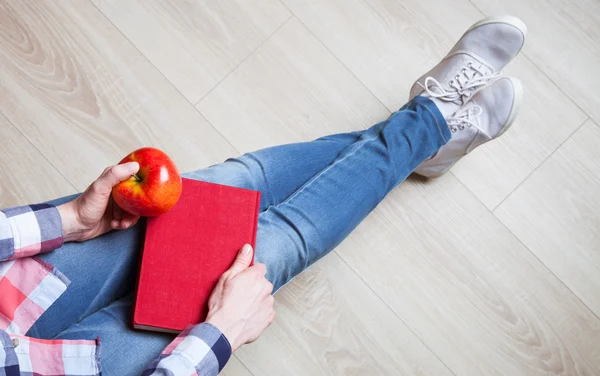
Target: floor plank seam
245 59
542 71
227 75
516 237
243 364
39 151
339 255
163 76
596 315
525 245
339 61
519 239
538 166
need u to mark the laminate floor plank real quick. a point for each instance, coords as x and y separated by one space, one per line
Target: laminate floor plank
195 44
27 177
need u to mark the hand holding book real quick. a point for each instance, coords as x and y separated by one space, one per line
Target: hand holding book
241 305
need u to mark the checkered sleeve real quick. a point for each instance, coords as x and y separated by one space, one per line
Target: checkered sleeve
199 350
29 230
28 287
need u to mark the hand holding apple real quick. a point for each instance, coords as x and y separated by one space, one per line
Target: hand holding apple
154 189
146 182
93 213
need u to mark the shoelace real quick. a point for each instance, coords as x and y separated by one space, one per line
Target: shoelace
462 86
464 117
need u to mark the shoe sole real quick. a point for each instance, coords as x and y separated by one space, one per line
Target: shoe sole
509 20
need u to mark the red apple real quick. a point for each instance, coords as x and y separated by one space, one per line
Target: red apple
154 189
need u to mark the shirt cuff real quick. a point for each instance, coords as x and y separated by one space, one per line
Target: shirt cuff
29 230
201 348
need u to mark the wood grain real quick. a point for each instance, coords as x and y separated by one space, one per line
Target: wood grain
85 97
396 42
196 43
563 42
468 288
330 323
555 214
27 177
290 90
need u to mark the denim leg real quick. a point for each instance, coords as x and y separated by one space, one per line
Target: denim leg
277 171
319 215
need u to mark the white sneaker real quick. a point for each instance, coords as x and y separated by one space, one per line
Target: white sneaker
485 117
473 63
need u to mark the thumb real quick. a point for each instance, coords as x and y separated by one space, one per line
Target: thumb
242 261
115 174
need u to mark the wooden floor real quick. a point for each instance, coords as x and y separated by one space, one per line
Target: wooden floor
493 269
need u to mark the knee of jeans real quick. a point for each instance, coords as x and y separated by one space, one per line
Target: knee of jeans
282 255
241 172
285 246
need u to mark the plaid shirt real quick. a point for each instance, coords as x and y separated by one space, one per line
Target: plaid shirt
28 286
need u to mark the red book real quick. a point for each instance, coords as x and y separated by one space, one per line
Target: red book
187 249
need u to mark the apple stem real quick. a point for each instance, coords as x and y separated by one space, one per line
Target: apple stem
136 177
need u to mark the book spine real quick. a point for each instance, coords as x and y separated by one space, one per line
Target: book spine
143 224
255 229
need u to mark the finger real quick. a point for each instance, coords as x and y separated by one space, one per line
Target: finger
130 217
260 269
268 289
129 220
115 174
242 261
118 224
266 313
126 222
117 212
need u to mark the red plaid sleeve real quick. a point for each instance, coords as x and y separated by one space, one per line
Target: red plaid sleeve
32 356
28 286
29 230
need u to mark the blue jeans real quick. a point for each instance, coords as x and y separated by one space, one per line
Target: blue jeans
313 195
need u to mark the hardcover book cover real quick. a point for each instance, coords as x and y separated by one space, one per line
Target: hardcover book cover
187 249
